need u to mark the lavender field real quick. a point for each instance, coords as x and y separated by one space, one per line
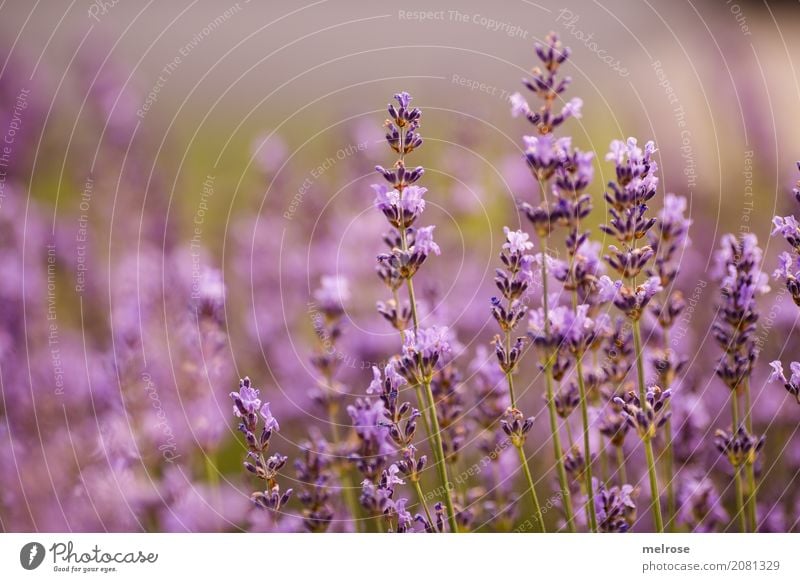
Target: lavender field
367 267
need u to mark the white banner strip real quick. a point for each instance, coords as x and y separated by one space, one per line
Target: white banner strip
352 557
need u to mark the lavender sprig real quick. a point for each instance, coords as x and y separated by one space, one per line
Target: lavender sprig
401 422
636 183
513 282
410 246
544 154
738 264
247 408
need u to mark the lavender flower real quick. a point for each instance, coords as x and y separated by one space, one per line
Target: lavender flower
792 385
516 426
423 349
701 508
740 447
547 86
399 418
789 267
616 508
245 405
373 448
314 473
738 264
627 199
646 416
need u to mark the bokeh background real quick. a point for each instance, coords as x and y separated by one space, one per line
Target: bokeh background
179 176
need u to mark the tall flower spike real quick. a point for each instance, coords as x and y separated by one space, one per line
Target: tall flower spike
738 267
627 197
409 246
738 263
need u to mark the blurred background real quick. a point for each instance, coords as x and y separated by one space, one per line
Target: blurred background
178 177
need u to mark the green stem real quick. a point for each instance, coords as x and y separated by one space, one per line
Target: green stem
752 513
648 445
422 502
751 498
669 458
423 408
558 451
739 498
523 460
441 466
587 451
737 475
669 468
508 374
651 469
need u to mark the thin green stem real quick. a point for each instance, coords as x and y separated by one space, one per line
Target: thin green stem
570 440
558 451
523 460
651 469
441 465
669 459
423 408
508 374
752 512
737 475
669 468
421 497
751 497
648 445
587 450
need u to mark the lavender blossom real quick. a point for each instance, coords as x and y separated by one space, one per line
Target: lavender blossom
789 266
246 403
646 416
792 385
741 281
314 474
616 508
701 508
739 447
